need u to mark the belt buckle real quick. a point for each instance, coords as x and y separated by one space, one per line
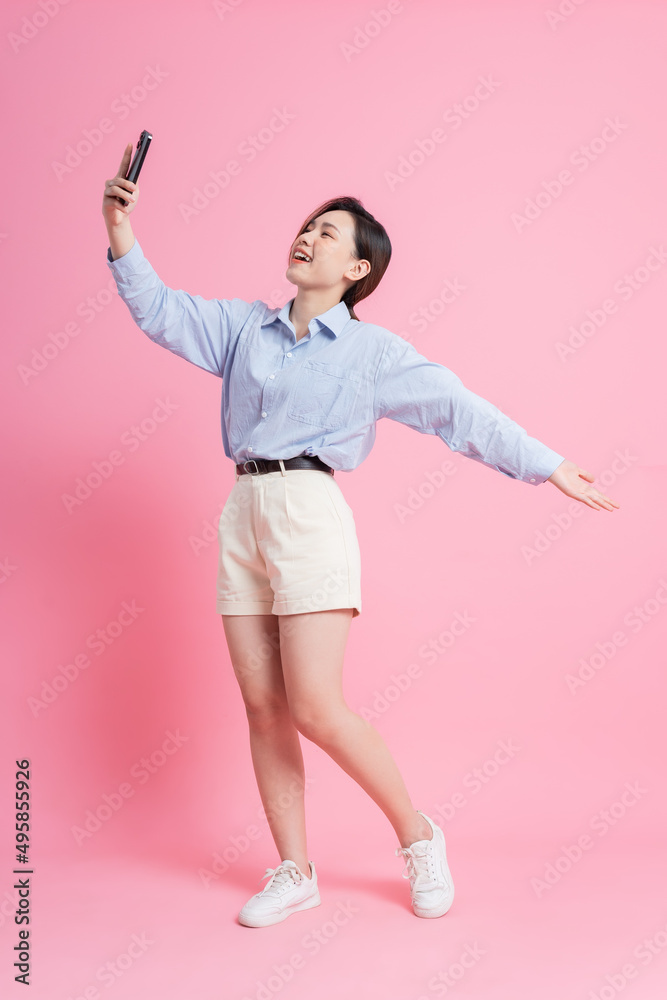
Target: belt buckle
249 471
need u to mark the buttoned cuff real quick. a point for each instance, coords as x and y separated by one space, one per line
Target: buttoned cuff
546 467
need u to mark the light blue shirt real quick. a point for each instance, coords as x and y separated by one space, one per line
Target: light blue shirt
323 394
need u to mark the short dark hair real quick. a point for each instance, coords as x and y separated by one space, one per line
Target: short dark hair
371 243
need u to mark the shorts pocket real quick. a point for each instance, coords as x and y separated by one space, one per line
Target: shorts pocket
232 509
324 395
337 498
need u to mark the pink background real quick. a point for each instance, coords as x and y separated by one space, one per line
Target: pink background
365 89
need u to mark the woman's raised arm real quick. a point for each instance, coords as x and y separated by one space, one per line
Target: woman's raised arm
116 216
198 330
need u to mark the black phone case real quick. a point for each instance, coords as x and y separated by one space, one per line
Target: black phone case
138 161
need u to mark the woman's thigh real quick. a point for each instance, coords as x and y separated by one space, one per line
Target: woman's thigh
312 649
254 648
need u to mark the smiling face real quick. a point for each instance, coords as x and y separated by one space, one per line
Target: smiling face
328 240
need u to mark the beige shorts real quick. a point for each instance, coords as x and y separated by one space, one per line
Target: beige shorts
287 544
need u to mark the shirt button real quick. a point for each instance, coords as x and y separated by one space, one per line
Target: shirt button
250 449
272 376
289 354
263 413
532 480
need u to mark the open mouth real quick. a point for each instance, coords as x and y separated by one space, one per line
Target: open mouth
301 258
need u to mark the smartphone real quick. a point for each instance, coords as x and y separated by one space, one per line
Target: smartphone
138 161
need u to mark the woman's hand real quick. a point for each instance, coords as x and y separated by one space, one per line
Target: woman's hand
569 479
114 213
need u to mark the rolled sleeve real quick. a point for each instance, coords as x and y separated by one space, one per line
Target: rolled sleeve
196 329
431 399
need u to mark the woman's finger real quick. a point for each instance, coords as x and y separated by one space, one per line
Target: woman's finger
116 191
600 500
125 162
122 182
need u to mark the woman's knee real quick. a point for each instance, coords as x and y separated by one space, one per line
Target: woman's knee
321 724
266 711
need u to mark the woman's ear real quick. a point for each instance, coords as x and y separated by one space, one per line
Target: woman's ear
358 270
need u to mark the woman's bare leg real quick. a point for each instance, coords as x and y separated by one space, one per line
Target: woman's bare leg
312 646
254 648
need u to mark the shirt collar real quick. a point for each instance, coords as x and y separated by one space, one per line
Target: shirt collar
334 319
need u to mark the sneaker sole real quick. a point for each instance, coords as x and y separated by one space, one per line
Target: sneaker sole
274 918
440 912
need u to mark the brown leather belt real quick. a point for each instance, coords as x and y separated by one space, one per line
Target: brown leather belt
258 466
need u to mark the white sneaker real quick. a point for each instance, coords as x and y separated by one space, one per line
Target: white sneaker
431 885
287 891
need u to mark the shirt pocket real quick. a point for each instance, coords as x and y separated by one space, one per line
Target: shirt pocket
324 395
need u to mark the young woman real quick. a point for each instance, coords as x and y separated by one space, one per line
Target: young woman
302 389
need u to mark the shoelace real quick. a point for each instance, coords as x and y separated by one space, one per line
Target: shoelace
280 878
420 867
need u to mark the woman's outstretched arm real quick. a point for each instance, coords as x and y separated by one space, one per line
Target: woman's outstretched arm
432 399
